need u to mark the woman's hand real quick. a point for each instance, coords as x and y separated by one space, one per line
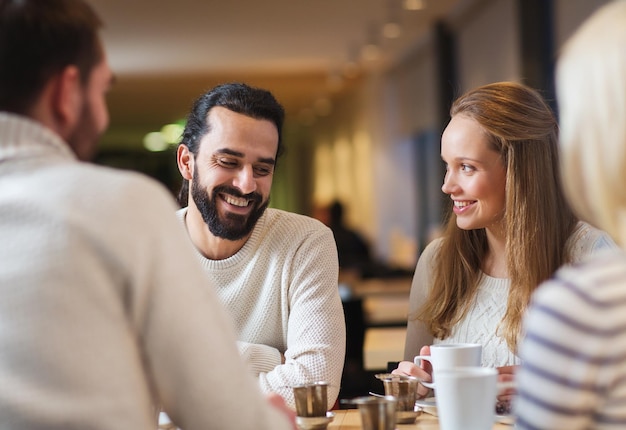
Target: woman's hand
506 378
423 372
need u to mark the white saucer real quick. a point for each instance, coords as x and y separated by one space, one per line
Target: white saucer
429 406
506 419
315 423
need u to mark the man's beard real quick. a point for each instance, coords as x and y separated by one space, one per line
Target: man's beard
233 226
84 138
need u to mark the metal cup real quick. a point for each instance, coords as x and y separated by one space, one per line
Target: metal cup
377 413
404 389
311 399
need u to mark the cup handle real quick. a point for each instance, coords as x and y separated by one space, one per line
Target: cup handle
417 361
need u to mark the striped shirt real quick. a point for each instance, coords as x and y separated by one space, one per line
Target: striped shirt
573 373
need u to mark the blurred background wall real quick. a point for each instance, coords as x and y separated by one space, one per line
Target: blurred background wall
366 135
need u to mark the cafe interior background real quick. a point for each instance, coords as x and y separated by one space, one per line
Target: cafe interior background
366 85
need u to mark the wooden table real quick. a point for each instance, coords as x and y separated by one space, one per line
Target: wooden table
349 419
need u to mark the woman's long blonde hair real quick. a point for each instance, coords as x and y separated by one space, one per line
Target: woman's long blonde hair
591 90
523 130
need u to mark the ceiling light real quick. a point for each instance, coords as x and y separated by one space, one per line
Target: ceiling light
371 51
414 4
392 29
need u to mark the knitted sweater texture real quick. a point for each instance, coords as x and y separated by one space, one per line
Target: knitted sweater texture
480 323
282 293
105 310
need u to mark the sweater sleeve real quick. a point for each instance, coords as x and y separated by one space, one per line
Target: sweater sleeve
261 358
417 335
315 327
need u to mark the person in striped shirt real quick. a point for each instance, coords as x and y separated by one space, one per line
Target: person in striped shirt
573 372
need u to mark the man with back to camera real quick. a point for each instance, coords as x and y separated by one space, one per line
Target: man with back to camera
275 271
97 326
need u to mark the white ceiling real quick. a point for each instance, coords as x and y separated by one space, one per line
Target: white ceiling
165 53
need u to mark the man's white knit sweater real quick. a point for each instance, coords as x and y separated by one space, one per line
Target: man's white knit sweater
104 311
281 290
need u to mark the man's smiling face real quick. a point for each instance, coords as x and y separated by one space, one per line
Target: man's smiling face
233 172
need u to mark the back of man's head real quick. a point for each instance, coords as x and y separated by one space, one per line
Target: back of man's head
38 39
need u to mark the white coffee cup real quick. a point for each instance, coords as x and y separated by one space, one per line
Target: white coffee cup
466 397
450 355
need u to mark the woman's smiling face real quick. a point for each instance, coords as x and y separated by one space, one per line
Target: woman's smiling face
475 175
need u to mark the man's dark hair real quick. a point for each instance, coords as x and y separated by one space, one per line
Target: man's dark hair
38 39
256 103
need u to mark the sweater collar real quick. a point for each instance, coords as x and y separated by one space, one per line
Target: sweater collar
248 249
23 137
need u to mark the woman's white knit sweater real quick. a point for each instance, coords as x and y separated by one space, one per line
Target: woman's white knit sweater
480 323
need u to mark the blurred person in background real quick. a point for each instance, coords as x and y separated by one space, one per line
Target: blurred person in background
573 372
509 228
356 260
97 324
275 271
352 250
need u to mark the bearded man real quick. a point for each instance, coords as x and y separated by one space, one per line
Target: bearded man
275 271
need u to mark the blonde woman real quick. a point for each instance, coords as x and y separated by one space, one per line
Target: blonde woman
573 374
509 227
